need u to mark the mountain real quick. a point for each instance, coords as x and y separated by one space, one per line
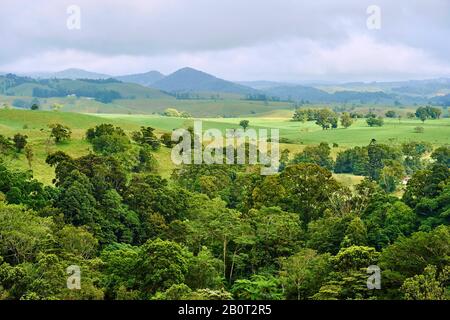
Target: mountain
298 93
191 80
72 74
144 79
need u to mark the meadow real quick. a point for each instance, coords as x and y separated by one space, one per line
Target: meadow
34 125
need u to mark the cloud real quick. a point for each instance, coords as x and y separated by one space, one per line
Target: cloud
282 39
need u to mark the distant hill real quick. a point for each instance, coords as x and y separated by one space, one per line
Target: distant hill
144 79
103 90
297 93
72 74
191 80
415 88
314 95
263 84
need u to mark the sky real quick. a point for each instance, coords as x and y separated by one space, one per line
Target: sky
278 40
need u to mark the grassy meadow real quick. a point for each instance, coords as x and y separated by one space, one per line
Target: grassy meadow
34 125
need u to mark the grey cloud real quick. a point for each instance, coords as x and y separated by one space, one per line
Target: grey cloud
156 30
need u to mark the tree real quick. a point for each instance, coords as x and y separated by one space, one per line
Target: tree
77 241
244 124
431 285
346 120
349 276
76 200
424 113
309 187
107 139
319 155
20 141
375 122
147 162
204 271
413 152
326 118
391 114
6 146
277 234
23 234
34 106
353 160
146 136
171 112
119 272
391 175
356 234
410 256
166 139
60 132
300 115
161 264
258 287
442 155
304 273
29 154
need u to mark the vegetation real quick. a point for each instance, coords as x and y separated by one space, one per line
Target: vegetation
108 201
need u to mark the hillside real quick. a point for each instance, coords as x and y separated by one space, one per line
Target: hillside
103 90
144 79
72 73
191 80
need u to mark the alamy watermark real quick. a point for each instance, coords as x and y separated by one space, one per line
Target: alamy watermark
373 22
374 280
73 21
229 150
74 278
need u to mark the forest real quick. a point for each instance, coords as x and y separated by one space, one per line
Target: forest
223 232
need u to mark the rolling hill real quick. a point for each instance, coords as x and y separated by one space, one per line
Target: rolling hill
144 79
103 90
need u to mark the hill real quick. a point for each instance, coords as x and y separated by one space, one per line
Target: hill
72 73
144 79
102 90
191 80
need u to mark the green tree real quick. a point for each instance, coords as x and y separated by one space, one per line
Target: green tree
146 136
346 120
319 155
326 118
161 264
60 132
304 273
258 287
76 200
375 122
391 114
431 285
356 233
20 141
23 234
442 155
244 124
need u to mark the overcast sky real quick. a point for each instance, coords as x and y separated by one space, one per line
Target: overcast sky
284 40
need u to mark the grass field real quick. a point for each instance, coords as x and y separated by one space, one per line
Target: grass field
34 125
436 132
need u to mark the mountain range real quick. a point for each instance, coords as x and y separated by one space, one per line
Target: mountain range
188 82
